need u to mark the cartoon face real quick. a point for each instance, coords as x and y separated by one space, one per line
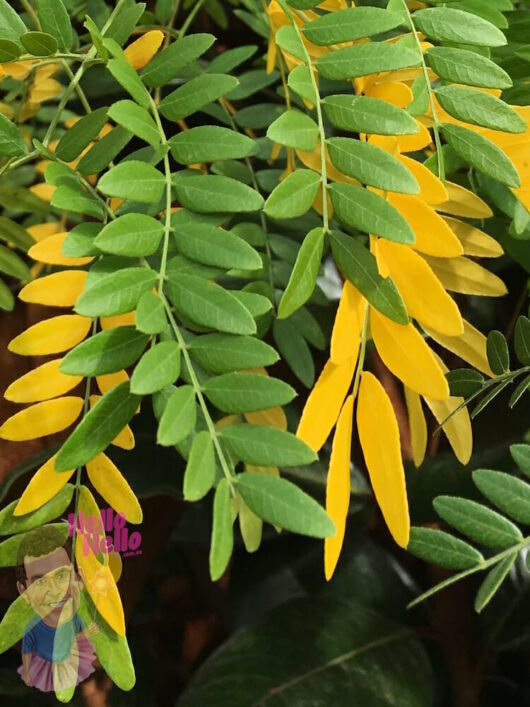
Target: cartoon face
52 587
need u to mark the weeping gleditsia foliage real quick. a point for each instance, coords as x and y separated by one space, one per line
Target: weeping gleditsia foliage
179 217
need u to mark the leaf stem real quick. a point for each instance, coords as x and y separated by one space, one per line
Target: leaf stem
362 352
472 570
190 18
436 124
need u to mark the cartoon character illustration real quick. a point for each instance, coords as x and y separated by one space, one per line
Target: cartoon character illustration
57 652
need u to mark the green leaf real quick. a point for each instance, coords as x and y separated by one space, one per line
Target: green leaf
9 51
107 352
150 314
39 43
12 144
364 59
55 507
230 59
442 549
371 165
195 94
208 194
210 245
7 299
12 232
210 305
112 650
11 264
450 25
465 67
281 503
9 548
479 108
80 240
299 81
158 367
247 392
350 24
359 266
477 522
116 293
491 395
54 20
99 427
199 476
493 581
482 154
304 275
11 26
104 151
222 353
250 82
133 235
74 140
77 200
222 541
260 445
508 493
295 351
521 389
289 41
363 114
294 129
464 381
20 612
96 37
294 195
134 180
521 456
522 340
136 119
369 212
124 22
178 418
128 79
497 351
209 143
169 62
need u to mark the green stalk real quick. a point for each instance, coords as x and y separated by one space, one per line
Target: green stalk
436 124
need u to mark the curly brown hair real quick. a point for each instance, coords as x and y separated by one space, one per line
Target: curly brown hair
39 542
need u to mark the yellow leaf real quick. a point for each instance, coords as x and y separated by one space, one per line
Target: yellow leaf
42 230
61 289
313 160
458 429
425 298
417 425
115 564
415 142
379 438
109 482
42 419
44 91
51 336
140 52
43 191
44 485
470 346
324 403
467 276
347 329
273 417
433 235
432 189
41 383
108 603
394 92
474 241
338 486
111 380
405 353
125 438
91 519
462 202
128 319
18 70
49 251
